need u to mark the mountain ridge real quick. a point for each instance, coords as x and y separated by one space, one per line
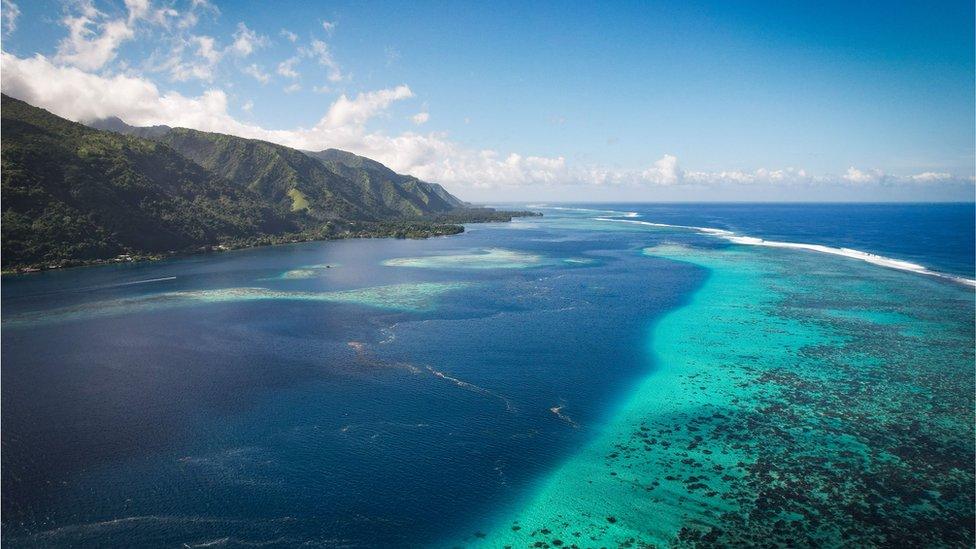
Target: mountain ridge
384 192
76 194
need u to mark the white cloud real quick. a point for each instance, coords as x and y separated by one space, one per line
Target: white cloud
287 68
292 88
855 175
80 95
257 73
203 61
91 41
760 176
138 9
192 16
329 26
929 177
420 118
346 112
207 49
664 172
10 14
320 51
247 40
290 36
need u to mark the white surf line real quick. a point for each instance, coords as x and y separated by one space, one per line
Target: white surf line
850 253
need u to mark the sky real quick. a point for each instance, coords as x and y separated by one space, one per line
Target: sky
540 101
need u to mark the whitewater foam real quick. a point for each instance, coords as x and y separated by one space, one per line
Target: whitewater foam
851 253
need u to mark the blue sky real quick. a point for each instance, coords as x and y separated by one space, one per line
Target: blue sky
541 100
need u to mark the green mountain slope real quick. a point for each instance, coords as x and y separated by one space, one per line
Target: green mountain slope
329 184
74 194
403 193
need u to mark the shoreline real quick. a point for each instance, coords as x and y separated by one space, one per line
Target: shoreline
131 259
431 231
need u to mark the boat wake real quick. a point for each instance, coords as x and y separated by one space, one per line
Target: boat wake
509 406
851 253
558 412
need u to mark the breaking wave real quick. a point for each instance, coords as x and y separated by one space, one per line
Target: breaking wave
851 253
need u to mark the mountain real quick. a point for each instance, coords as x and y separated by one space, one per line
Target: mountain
329 184
74 194
386 183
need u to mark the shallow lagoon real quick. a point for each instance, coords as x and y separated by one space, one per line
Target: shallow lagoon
775 420
520 402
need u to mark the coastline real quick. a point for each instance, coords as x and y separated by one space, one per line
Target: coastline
211 249
406 230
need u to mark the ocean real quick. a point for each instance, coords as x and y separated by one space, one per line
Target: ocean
605 375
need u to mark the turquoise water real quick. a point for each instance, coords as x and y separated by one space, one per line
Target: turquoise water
800 401
554 382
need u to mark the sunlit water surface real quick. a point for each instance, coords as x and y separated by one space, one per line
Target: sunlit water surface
571 379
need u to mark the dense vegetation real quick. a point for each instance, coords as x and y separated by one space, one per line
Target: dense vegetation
71 193
74 195
322 185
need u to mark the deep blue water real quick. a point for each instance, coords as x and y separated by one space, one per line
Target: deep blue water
938 236
260 422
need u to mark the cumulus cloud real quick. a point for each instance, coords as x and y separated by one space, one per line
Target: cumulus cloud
329 26
664 171
292 88
246 41
92 40
929 177
191 17
345 111
855 175
256 72
760 175
420 118
320 51
82 95
287 68
207 49
203 59
138 9
290 36
10 14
